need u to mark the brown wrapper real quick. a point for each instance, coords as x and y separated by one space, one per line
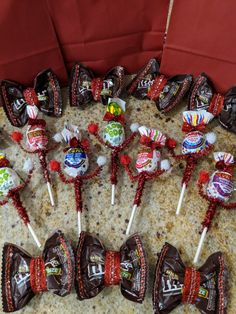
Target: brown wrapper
170 283
92 271
82 86
171 93
21 279
227 117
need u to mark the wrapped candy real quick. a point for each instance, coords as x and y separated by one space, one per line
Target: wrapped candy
148 164
195 144
21 103
11 185
166 92
24 276
84 87
204 96
76 163
216 189
113 136
97 268
174 283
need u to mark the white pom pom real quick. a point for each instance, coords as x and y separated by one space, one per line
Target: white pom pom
101 161
211 137
165 165
134 127
28 165
58 138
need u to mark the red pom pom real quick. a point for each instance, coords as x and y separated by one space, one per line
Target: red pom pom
74 142
16 136
85 144
171 143
203 177
125 160
54 165
145 140
93 128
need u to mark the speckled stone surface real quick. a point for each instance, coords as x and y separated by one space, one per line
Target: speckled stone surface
155 220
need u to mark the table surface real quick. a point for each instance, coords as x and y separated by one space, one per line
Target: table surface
155 220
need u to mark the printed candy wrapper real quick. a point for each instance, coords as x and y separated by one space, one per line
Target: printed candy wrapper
195 118
36 137
194 142
148 160
226 157
9 179
154 135
114 133
32 111
76 162
70 131
116 106
220 186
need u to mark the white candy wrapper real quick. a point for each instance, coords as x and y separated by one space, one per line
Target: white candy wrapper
9 179
148 160
220 186
114 133
76 162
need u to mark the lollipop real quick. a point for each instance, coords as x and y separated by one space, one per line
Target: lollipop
216 189
195 145
113 136
148 164
76 163
11 185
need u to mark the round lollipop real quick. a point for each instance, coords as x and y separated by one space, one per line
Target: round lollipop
216 189
11 185
113 136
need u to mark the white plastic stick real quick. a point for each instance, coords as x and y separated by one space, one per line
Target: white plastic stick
79 223
113 194
181 199
50 193
33 235
131 219
195 261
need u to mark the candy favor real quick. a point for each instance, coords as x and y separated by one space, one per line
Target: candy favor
85 87
174 283
11 185
166 92
195 144
76 163
24 276
113 136
217 190
148 164
97 268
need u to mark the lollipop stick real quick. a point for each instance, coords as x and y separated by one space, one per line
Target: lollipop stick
131 219
113 194
79 223
195 261
181 199
50 193
33 235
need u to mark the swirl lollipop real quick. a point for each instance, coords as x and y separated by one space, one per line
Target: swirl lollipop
148 164
11 185
113 136
216 189
195 145
76 164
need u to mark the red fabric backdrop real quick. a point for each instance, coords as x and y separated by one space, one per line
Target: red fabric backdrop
201 37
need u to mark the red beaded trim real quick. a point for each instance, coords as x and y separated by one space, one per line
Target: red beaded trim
112 268
157 87
192 280
38 280
193 94
143 268
69 264
8 111
30 96
6 279
54 82
216 104
221 287
96 86
74 85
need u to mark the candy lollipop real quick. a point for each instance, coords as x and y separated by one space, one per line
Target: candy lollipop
216 189
11 185
76 163
195 144
113 136
148 164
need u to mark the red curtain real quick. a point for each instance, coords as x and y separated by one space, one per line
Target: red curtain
201 37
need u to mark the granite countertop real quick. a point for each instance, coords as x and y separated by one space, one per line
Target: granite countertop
155 220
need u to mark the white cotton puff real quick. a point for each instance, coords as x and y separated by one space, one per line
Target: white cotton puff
211 137
101 161
134 127
165 165
28 165
58 138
